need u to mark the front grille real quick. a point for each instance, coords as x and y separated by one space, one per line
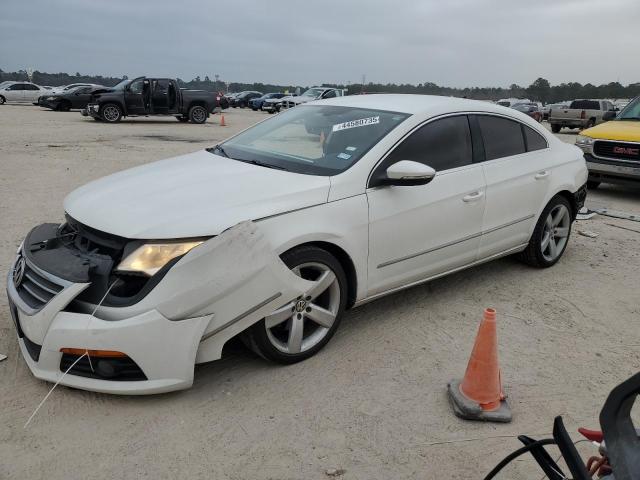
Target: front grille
36 290
617 150
104 368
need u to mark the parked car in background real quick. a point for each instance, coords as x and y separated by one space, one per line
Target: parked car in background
151 96
223 101
74 98
579 114
256 103
612 149
273 235
63 89
530 109
313 93
510 102
549 106
242 99
20 92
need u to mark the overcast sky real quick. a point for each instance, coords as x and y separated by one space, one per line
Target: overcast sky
448 42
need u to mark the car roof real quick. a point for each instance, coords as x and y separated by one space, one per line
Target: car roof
414 104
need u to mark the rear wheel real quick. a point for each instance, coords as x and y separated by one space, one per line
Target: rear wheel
551 235
2 100
197 114
64 107
591 123
111 113
300 328
555 128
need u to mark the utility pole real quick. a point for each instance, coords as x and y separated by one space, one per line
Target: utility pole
364 77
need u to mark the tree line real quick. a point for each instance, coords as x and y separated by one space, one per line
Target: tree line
539 90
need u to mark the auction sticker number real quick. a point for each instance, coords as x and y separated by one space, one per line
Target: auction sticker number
362 122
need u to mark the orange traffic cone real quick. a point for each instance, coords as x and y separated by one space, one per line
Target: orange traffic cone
479 396
222 124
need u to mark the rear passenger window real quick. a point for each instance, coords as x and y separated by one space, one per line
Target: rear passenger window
442 145
535 141
502 137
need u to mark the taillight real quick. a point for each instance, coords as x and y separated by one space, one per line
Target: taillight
583 115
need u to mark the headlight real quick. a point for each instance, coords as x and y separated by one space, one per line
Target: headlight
585 143
151 257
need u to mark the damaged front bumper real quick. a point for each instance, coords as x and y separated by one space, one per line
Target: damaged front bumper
211 294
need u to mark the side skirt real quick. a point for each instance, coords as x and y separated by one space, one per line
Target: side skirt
517 249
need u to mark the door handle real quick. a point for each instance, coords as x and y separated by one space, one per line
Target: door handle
472 197
541 175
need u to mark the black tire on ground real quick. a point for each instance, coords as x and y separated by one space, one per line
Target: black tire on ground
533 254
591 123
256 337
111 113
182 119
64 107
197 114
555 128
593 184
2 100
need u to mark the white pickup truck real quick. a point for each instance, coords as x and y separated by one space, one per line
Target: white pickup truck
581 114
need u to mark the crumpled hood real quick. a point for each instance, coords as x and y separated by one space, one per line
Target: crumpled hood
194 195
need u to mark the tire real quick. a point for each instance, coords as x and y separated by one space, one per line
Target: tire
277 342
593 184
551 235
197 114
2 100
591 123
182 119
64 107
111 113
555 128
97 119
254 109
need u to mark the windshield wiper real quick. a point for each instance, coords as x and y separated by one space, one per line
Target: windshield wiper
218 148
262 164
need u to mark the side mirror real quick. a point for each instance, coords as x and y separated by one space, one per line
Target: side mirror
408 172
610 115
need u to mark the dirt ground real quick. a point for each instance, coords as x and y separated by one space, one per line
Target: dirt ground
373 402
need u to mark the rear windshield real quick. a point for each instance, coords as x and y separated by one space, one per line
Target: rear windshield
313 139
585 104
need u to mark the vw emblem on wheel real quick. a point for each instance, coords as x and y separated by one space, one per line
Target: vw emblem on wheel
300 306
18 271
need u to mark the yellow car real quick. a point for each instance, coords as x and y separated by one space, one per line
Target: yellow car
612 149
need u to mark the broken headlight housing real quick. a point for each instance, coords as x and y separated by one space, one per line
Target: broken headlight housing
149 258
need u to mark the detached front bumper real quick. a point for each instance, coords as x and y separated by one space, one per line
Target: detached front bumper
93 110
210 295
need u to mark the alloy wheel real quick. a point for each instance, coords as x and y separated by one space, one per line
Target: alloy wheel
301 324
555 233
111 113
199 115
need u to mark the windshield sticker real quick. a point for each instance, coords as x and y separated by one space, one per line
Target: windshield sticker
362 122
351 149
344 156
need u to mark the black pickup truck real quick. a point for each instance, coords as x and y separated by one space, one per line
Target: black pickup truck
145 96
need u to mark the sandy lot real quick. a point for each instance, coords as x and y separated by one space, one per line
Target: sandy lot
372 402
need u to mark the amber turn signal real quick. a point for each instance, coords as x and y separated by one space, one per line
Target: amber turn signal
92 353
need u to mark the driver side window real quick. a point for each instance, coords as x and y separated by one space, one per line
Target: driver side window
136 87
442 145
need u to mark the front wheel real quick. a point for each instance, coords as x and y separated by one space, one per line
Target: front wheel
555 128
551 235
2 100
111 113
300 328
197 114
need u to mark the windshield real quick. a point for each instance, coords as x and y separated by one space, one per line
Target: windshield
123 83
314 140
631 111
504 104
312 92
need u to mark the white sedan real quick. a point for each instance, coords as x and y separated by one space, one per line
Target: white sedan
273 233
21 92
